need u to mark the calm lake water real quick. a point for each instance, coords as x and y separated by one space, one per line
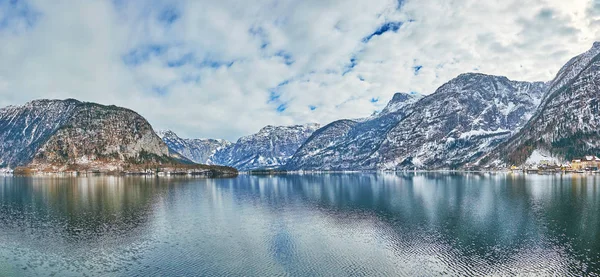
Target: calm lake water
413 224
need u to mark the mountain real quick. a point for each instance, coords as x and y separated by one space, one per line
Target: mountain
69 135
400 101
271 147
350 144
567 124
197 150
464 119
23 129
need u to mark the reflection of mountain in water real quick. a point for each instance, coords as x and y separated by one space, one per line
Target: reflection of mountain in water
492 223
104 218
302 225
84 209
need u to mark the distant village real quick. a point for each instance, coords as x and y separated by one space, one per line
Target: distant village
576 165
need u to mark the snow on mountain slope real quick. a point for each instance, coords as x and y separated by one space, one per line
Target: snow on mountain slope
350 144
271 147
69 135
462 120
24 128
567 123
401 100
197 150
321 144
101 136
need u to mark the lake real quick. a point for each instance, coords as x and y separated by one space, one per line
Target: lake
394 224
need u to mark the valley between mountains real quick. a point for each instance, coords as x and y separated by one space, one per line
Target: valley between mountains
474 121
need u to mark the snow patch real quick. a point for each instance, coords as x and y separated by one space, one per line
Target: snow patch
539 157
477 133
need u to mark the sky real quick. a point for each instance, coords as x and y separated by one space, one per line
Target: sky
226 68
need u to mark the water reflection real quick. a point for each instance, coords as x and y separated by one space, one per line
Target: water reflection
331 224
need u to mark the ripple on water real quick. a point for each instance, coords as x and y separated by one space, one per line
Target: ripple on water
318 225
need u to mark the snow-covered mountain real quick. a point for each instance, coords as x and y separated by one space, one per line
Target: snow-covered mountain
400 101
271 147
464 119
23 129
101 137
474 119
350 144
69 135
567 123
197 150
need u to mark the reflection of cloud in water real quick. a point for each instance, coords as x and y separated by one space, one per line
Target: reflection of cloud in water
102 221
480 222
328 224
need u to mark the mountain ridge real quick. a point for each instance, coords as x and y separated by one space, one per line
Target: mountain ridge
366 144
572 94
70 135
474 119
198 150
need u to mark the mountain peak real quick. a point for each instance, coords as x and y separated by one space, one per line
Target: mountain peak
596 44
404 96
401 100
270 128
477 75
45 102
166 133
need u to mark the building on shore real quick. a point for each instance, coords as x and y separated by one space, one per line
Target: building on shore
591 163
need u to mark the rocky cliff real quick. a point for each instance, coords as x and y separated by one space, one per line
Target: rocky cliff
350 144
69 135
567 123
271 147
464 119
197 150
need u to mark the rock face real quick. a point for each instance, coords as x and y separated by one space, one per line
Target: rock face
69 135
464 119
197 150
23 129
567 124
351 144
322 144
271 147
105 137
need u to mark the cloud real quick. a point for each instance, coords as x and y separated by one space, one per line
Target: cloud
226 68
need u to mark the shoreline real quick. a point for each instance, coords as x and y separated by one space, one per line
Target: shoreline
275 173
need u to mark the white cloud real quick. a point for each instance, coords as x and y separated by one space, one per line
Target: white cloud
222 68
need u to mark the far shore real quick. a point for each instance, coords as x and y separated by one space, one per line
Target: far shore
281 172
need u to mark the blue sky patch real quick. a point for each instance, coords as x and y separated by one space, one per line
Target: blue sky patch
417 69
15 12
287 57
183 60
142 54
273 96
281 108
261 35
275 93
350 66
168 16
393 26
191 78
160 90
400 4
283 83
215 63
